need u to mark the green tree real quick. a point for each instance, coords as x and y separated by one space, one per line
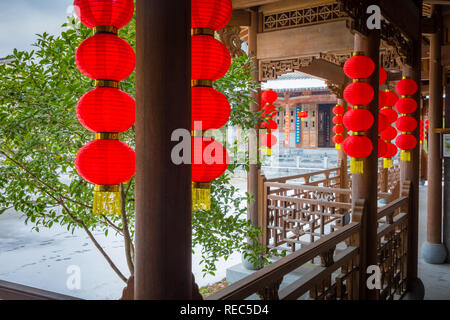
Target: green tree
40 136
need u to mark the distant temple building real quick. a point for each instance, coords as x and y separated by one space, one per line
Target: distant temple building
300 92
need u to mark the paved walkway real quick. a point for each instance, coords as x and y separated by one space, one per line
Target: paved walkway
436 278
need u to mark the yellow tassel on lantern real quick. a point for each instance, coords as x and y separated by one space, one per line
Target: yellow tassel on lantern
201 196
356 165
337 146
387 163
267 151
405 155
107 200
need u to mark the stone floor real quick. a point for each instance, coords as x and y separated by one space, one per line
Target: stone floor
436 278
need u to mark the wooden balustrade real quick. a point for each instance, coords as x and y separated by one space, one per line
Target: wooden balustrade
335 278
15 291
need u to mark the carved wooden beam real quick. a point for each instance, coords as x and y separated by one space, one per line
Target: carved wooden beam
240 18
230 37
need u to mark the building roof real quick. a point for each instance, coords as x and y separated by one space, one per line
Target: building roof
295 81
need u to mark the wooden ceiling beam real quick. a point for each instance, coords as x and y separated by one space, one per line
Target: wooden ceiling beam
325 70
243 4
407 20
305 41
240 18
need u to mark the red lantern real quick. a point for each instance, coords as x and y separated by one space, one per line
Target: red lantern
210 107
406 105
359 67
210 58
106 110
94 13
390 98
358 93
339 129
406 124
269 110
338 119
338 110
381 99
391 151
269 124
358 120
209 159
268 140
105 56
390 114
382 123
406 87
382 76
105 162
338 139
357 147
210 14
268 96
390 133
406 142
382 148
302 115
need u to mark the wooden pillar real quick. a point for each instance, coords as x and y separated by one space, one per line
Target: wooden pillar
433 250
446 220
364 186
163 189
252 176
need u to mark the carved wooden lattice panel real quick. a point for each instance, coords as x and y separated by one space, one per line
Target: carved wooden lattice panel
303 17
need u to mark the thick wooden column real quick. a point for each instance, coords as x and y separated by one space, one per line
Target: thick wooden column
446 220
163 189
364 186
433 250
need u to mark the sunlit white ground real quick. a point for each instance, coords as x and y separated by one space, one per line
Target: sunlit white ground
42 259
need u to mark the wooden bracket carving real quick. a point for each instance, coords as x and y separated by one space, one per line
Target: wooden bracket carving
270 292
230 37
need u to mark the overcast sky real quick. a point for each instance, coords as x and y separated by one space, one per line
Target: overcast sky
20 20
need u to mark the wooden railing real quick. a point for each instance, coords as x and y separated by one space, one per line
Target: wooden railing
321 282
15 291
339 275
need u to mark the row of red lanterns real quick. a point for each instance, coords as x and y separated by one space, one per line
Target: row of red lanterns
106 110
387 103
210 108
268 140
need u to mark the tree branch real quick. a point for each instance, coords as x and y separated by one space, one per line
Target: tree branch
126 231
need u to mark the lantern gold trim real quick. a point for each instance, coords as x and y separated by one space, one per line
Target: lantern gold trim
105 29
202 83
107 136
107 83
202 31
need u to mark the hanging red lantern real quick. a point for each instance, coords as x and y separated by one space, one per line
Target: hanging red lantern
359 66
268 140
209 161
406 124
382 123
406 87
210 14
106 110
357 147
338 129
269 124
390 114
390 133
358 120
268 96
93 13
338 109
381 99
105 56
382 148
358 93
390 98
338 120
210 58
406 142
391 151
210 107
338 139
302 115
382 76
406 105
